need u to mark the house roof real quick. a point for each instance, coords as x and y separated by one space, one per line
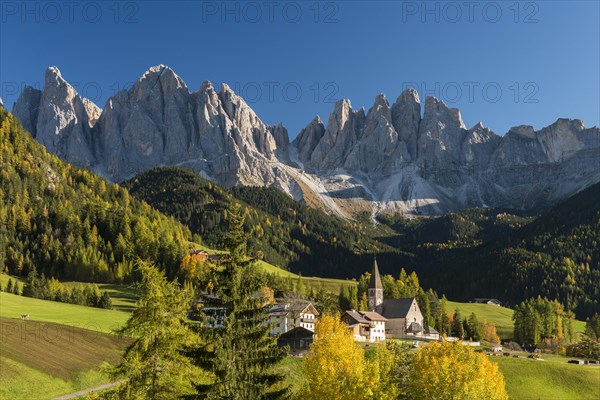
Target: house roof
297 333
356 316
396 308
485 300
375 282
293 308
373 316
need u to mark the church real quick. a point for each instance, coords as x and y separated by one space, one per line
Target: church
403 316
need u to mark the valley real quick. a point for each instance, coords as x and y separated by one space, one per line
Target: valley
87 230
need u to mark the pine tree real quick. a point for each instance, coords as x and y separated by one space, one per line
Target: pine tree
299 286
457 326
240 354
154 365
9 286
475 329
105 301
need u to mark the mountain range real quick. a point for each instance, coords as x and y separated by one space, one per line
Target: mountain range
391 158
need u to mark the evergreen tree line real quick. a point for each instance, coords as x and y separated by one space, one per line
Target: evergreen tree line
88 294
10 287
539 320
556 256
589 346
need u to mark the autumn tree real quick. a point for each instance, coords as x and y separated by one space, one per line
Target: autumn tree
489 332
153 366
337 369
446 370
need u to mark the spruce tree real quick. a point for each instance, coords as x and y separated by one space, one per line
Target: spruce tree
9 286
457 326
239 354
105 301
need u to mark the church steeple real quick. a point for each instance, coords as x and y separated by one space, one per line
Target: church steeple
375 288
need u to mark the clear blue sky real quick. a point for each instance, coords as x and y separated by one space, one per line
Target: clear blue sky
542 55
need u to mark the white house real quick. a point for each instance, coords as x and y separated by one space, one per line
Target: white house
366 326
288 315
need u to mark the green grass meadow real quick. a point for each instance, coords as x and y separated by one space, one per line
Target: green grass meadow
552 379
96 319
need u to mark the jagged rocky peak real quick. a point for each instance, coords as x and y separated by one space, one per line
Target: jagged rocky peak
308 138
561 139
526 131
381 107
406 117
282 139
26 108
404 160
62 120
437 110
167 77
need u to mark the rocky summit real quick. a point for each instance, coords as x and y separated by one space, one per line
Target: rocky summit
392 158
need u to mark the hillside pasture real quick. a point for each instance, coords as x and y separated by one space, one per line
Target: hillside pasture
552 379
96 319
42 360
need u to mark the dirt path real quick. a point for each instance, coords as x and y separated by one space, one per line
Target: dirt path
84 392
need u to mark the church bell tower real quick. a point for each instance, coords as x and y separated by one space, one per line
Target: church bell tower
375 288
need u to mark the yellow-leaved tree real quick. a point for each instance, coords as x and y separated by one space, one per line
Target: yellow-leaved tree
443 371
489 332
337 369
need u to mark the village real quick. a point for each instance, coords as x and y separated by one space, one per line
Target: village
292 321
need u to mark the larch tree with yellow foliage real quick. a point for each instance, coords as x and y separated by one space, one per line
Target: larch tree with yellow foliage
337 369
444 371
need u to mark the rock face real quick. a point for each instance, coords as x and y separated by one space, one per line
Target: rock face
389 159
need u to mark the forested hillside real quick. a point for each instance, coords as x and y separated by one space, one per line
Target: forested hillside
556 256
68 223
475 253
284 232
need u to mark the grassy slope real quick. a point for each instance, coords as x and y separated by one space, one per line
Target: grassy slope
42 360
12 306
500 316
332 285
552 379
526 379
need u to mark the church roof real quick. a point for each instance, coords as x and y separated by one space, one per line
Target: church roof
396 308
375 282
